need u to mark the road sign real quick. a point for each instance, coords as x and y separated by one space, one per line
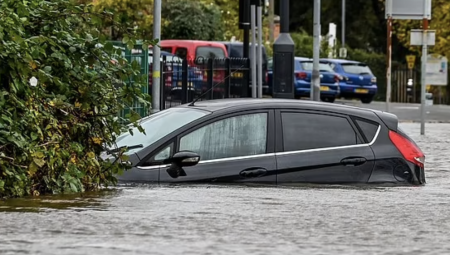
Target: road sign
437 70
410 59
408 9
416 37
343 53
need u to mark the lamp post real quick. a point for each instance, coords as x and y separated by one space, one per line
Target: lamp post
283 58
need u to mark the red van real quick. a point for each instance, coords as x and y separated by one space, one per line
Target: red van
193 50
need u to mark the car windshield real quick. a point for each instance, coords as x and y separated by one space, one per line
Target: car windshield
158 125
308 66
356 68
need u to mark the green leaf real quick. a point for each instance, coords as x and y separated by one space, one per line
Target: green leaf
125 39
134 116
109 46
39 162
34 136
48 69
73 188
72 49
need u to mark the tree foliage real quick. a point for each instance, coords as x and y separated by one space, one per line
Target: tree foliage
133 12
52 132
186 19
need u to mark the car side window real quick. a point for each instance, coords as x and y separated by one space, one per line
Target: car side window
181 53
161 155
305 131
236 136
368 128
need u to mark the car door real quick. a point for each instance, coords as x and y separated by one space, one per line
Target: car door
149 171
316 147
234 148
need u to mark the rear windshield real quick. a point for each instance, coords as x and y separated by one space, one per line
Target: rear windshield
308 66
209 52
237 51
355 68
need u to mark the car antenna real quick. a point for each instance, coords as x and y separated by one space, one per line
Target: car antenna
207 91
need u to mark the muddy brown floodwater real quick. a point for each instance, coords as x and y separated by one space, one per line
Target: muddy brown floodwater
206 219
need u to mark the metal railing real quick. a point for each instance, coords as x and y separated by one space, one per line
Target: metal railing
183 80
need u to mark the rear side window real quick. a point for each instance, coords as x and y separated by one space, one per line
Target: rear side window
308 66
168 49
368 128
305 131
236 51
209 52
356 68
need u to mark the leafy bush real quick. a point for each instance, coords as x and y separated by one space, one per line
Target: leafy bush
58 105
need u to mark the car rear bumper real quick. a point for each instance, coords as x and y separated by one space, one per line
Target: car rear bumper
326 89
357 91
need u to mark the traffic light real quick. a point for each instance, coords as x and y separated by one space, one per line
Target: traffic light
410 87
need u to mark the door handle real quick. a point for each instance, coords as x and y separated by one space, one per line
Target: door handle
353 161
253 172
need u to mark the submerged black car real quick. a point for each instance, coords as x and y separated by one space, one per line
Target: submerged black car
272 141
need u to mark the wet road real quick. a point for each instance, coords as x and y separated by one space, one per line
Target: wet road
243 220
407 112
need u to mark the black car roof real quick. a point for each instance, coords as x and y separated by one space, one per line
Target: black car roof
234 104
255 103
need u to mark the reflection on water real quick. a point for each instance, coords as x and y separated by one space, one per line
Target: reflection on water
238 219
57 202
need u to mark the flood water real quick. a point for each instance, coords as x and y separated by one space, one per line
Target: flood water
243 220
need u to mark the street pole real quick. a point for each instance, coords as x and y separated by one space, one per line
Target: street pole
343 24
389 63
424 70
156 92
283 57
253 58
260 32
271 21
315 84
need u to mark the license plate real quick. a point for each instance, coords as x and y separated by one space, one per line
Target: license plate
180 84
362 91
324 88
237 75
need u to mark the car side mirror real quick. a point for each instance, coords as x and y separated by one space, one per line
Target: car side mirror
179 160
184 159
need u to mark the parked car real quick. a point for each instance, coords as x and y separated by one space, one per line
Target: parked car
196 52
357 80
173 74
236 50
272 141
329 80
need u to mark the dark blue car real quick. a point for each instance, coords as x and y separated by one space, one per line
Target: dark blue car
357 80
329 80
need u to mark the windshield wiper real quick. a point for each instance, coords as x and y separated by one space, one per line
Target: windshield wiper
364 73
127 147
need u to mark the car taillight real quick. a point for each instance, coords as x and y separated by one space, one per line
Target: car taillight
374 80
408 149
337 78
301 75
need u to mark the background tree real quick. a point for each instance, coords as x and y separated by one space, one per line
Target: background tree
133 12
186 19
